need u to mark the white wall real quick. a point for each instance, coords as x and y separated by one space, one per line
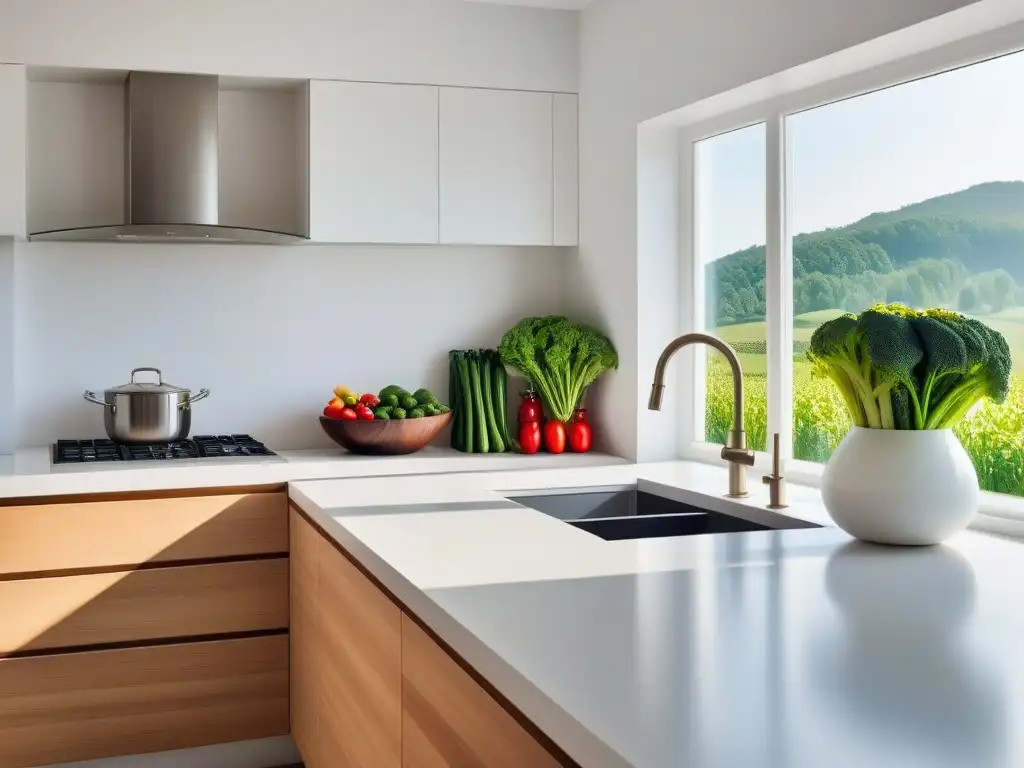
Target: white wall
269 330
444 42
642 58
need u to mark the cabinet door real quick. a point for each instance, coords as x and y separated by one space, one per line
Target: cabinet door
13 106
373 162
496 167
360 669
305 578
566 169
449 721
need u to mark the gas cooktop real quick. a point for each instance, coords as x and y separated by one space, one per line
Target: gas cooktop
199 447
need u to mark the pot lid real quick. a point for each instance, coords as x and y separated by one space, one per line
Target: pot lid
158 387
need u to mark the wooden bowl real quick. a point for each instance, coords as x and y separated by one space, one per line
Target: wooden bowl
395 437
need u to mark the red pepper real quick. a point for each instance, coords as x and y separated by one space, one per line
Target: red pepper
333 409
554 436
581 436
347 414
530 409
364 413
370 400
529 437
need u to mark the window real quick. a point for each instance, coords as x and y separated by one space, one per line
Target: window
731 178
911 193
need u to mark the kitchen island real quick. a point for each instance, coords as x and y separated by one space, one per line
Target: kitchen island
774 649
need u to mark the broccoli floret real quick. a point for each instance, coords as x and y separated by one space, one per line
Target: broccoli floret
398 413
893 352
390 400
381 414
416 413
560 357
408 402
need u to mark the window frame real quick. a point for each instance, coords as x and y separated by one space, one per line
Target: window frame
772 112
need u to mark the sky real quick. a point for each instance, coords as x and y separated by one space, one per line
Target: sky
867 154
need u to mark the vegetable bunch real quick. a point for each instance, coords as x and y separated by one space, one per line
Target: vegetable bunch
478 389
898 368
560 357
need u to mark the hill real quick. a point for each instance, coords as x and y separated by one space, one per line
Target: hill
963 250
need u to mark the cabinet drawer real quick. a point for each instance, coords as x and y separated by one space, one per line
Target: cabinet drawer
56 709
188 601
106 534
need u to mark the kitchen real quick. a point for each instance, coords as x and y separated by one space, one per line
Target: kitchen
457 166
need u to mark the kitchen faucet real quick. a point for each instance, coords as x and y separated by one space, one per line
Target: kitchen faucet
735 450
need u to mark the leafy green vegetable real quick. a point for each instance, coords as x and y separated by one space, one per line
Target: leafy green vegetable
495 443
560 357
898 368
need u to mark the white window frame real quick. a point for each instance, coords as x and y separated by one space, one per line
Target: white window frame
772 112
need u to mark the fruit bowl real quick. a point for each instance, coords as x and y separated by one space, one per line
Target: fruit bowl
393 437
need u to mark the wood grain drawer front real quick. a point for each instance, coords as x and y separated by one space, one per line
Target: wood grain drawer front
449 721
188 601
63 708
58 537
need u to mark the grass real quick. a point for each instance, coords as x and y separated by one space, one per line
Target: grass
993 435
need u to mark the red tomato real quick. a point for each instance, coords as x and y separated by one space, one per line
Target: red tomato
364 413
347 414
554 436
370 400
529 409
581 436
529 437
333 410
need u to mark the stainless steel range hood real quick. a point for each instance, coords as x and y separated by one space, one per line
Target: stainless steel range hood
171 168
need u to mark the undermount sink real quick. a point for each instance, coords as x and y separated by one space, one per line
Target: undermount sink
629 513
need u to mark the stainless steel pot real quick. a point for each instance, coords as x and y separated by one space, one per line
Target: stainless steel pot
141 412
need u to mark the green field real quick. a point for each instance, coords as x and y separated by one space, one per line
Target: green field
993 435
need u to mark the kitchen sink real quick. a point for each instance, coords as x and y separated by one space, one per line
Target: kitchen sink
615 514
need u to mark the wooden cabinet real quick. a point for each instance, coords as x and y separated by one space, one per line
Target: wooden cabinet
148 604
449 721
114 534
373 162
496 167
13 106
81 706
565 134
371 689
133 625
304 607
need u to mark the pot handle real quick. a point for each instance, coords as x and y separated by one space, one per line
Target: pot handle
198 396
157 371
91 397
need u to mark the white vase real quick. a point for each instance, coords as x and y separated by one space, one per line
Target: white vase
895 486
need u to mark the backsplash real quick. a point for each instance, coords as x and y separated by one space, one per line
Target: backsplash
269 330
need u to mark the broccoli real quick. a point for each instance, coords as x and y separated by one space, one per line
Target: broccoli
390 400
897 368
416 413
560 357
408 402
381 414
398 413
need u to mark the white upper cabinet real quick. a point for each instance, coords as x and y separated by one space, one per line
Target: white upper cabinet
373 175
566 172
13 107
496 167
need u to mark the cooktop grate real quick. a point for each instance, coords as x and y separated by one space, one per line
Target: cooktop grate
199 447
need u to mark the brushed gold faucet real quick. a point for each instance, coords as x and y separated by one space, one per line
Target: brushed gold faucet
735 450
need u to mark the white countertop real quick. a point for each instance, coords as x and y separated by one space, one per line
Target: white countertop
775 649
29 472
